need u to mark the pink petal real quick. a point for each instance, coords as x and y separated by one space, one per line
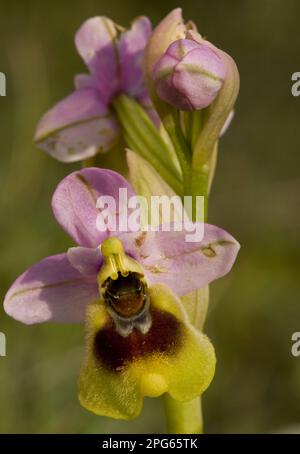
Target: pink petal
184 266
77 128
131 49
86 260
51 290
96 44
75 199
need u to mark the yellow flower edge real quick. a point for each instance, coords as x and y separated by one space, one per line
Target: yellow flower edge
179 360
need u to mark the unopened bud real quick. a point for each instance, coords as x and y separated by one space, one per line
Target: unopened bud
189 75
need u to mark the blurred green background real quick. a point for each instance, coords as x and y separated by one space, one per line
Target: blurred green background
255 309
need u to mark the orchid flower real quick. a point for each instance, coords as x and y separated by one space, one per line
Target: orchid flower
83 124
125 285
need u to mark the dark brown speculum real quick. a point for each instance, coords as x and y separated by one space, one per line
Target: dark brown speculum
115 351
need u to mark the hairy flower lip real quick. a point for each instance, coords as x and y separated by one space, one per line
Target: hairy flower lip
118 372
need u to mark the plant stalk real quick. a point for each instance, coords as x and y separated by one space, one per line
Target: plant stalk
183 417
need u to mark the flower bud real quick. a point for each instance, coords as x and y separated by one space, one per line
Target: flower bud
189 75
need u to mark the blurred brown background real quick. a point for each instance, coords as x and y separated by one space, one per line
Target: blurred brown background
255 309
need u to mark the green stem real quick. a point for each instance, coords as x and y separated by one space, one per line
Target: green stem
183 417
196 126
186 417
197 185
